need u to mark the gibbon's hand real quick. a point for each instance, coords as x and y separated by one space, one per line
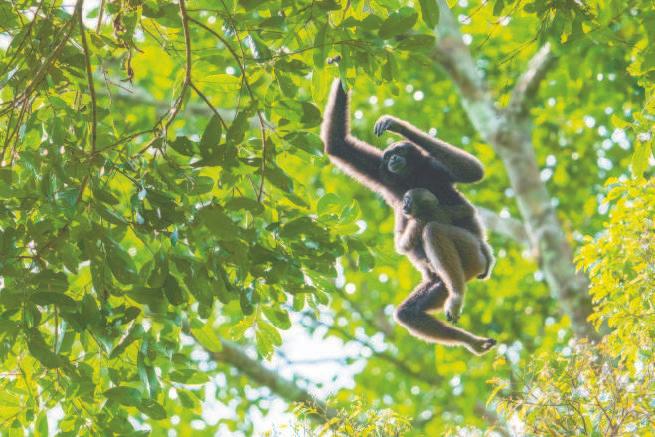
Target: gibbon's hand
385 123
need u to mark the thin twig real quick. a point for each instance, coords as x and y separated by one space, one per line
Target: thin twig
89 80
43 70
187 69
100 11
16 131
209 104
242 66
28 35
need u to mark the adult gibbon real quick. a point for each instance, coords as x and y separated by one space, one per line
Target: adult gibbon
418 161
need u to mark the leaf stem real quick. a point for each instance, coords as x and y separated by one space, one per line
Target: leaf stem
89 80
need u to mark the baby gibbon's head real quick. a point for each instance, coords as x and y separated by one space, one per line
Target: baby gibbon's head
419 202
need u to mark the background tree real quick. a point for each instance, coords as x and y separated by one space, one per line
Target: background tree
169 221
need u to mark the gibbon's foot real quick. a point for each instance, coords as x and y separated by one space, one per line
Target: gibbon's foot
486 274
384 123
453 308
482 346
490 261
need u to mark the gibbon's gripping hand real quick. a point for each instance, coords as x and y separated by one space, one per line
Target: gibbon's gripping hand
453 308
385 123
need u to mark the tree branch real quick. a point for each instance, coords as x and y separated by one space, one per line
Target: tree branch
528 84
398 363
512 141
286 389
507 226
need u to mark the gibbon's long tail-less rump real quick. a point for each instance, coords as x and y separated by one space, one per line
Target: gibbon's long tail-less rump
418 161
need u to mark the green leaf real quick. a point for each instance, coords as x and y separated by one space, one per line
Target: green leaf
237 203
398 23
223 83
498 7
278 317
237 129
105 196
166 14
189 376
173 291
366 261
58 299
415 43
266 338
640 157
238 330
184 146
41 428
121 263
135 333
42 352
329 203
218 222
207 337
152 409
311 115
619 122
430 12
320 52
212 134
198 185
124 395
307 141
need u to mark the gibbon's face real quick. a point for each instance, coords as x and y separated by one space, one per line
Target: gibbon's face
418 202
408 204
397 159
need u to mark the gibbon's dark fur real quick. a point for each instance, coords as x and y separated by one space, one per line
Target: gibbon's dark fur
423 207
453 254
419 161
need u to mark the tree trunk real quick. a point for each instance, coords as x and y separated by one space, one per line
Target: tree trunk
509 131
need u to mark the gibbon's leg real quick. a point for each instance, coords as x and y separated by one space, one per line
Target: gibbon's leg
456 256
412 314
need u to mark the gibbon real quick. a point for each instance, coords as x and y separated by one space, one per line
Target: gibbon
418 161
453 254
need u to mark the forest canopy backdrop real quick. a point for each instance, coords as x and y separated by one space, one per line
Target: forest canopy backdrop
178 256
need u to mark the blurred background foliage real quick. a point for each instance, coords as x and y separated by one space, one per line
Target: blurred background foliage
178 255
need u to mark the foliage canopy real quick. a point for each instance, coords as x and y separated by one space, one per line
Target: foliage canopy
169 220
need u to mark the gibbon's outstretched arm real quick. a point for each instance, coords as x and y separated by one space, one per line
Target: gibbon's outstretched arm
357 158
462 166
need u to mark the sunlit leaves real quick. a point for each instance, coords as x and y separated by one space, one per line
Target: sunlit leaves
125 271
43 352
124 395
207 337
